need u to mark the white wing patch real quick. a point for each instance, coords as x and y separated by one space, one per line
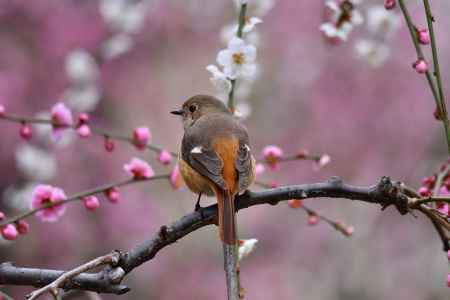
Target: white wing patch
197 149
247 147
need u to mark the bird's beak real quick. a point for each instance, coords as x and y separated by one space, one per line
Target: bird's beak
177 112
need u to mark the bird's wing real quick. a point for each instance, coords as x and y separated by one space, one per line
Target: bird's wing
202 158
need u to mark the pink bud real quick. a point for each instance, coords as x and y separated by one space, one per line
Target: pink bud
273 184
141 137
113 194
9 232
420 66
349 230
84 131
389 4
91 203
165 157
448 255
83 118
2 216
23 227
448 280
108 144
424 192
423 36
2 111
313 220
302 154
26 132
295 203
323 161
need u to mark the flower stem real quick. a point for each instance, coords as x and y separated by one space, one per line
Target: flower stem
440 106
437 73
241 24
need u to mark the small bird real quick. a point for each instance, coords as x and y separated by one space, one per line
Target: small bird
215 157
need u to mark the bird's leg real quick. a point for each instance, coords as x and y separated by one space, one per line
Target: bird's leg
197 205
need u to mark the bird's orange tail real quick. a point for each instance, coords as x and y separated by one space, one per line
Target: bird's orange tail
227 217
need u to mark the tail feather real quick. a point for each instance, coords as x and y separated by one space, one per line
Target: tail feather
227 217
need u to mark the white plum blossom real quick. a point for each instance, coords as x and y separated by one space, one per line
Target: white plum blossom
82 98
381 21
344 16
374 52
238 59
219 80
19 198
81 66
246 247
248 34
36 164
124 15
243 110
117 45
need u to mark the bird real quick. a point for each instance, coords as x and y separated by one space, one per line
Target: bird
215 157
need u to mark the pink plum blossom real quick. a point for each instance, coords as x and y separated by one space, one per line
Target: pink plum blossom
61 115
9 232
272 155
48 195
139 169
165 157
141 137
2 111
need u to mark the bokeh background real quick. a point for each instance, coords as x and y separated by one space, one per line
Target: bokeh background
310 94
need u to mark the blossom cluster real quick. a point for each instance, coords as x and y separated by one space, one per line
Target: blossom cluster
438 185
238 59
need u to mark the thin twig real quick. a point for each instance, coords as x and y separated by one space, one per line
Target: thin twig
241 24
109 259
80 195
437 72
95 130
439 106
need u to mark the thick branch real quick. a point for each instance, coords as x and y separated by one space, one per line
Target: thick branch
385 193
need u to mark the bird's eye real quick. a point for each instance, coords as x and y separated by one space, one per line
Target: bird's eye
192 108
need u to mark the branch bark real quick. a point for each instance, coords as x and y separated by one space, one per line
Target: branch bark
385 193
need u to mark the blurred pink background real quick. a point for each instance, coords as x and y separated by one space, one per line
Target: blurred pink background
309 95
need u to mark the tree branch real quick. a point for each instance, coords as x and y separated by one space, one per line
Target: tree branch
385 193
